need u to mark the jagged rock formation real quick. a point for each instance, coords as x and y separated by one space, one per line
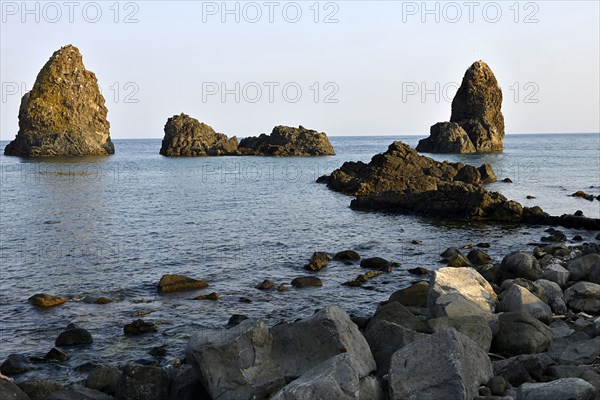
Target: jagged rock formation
287 141
401 180
186 136
64 113
476 124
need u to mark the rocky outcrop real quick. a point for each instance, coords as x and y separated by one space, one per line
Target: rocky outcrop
287 141
187 137
476 124
64 113
403 181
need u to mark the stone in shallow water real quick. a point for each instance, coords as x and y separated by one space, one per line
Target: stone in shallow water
16 364
318 261
346 255
73 335
45 300
177 283
139 327
304 281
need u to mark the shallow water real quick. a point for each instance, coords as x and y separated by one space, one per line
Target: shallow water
112 226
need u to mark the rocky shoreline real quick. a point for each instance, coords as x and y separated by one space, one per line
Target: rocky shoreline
527 327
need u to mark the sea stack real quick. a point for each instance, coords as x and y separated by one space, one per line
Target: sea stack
187 137
64 113
476 124
285 141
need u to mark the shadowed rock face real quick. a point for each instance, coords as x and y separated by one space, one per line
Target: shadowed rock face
288 141
476 124
64 113
186 136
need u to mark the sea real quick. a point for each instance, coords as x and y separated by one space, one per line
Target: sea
112 226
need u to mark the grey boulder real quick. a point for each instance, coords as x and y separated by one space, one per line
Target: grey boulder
517 298
520 333
560 389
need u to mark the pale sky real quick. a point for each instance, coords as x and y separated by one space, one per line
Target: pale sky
377 67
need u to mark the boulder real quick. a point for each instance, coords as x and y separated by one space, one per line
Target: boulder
57 355
445 365
459 261
520 333
560 389
476 123
318 261
385 338
519 265
142 382
371 388
347 255
557 273
186 385
40 389
474 327
177 283
296 350
395 312
457 292
236 362
10 391
266 285
478 257
64 113
374 263
103 378
335 378
16 364
517 298
579 352
73 335
412 296
304 281
584 296
581 267
187 137
487 176
44 300
553 295
287 141
523 368
468 174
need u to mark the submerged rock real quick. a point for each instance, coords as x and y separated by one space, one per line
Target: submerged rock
304 281
73 335
187 137
476 123
64 113
139 327
318 261
287 141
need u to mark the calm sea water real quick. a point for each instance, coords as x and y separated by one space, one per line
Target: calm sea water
112 226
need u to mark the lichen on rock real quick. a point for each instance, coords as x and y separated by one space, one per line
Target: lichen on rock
64 113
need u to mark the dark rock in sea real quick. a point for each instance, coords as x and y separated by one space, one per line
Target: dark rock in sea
8 390
419 271
286 141
177 283
529 197
103 378
450 252
318 261
487 173
39 389
57 355
74 336
583 195
45 300
282 288
520 333
412 296
235 320
209 296
139 327
142 382
64 113
266 285
158 351
458 261
578 213
555 237
478 257
483 245
507 180
187 137
244 300
16 364
476 123
374 262
346 255
304 281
